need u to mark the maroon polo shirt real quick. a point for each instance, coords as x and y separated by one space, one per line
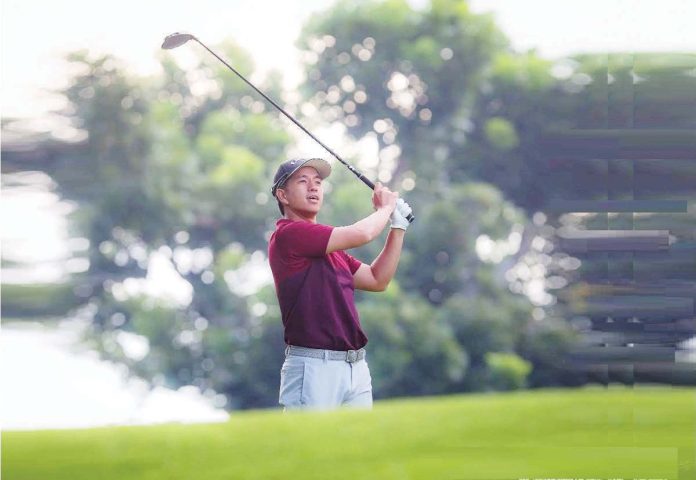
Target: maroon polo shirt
315 290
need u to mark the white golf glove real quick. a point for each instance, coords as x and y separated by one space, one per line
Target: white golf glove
398 216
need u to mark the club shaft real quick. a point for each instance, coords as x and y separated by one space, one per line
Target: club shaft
355 171
364 179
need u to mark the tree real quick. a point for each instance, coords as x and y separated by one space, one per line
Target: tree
449 107
409 353
401 76
176 165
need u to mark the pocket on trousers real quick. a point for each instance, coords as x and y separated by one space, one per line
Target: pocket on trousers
365 377
292 379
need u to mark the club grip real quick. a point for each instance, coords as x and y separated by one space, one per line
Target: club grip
370 184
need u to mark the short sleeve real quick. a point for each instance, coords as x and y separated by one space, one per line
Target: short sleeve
353 263
304 239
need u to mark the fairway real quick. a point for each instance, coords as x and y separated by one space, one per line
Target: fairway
600 433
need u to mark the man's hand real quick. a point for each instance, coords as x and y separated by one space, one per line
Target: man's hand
383 198
398 216
365 230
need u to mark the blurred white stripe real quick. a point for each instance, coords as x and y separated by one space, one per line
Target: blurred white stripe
47 381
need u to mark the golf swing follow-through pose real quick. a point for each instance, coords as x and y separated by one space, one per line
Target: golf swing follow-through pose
315 281
315 278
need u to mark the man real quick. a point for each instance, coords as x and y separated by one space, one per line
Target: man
315 280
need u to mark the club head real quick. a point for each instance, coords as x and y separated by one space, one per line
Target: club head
176 40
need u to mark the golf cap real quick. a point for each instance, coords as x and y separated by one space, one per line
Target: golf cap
286 169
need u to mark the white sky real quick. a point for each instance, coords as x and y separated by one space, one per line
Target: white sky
35 33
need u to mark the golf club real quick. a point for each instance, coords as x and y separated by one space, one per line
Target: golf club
177 39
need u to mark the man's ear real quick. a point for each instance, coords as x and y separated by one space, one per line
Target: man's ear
282 198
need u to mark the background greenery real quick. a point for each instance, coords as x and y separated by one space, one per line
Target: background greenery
483 141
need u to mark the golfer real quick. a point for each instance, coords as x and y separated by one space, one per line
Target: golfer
315 280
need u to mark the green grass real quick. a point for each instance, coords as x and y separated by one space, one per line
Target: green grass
590 433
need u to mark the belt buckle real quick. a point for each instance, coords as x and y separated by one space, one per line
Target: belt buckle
352 356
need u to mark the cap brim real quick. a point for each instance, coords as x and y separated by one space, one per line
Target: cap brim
319 164
322 167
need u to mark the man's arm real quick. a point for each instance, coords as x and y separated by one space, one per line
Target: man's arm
367 229
376 276
360 233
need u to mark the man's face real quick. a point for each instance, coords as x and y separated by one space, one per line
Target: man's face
303 192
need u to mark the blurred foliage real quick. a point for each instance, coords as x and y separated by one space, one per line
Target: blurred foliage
38 300
416 81
442 258
410 356
538 132
507 370
402 75
176 169
193 194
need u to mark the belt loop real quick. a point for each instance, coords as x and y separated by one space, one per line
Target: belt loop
326 356
287 350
